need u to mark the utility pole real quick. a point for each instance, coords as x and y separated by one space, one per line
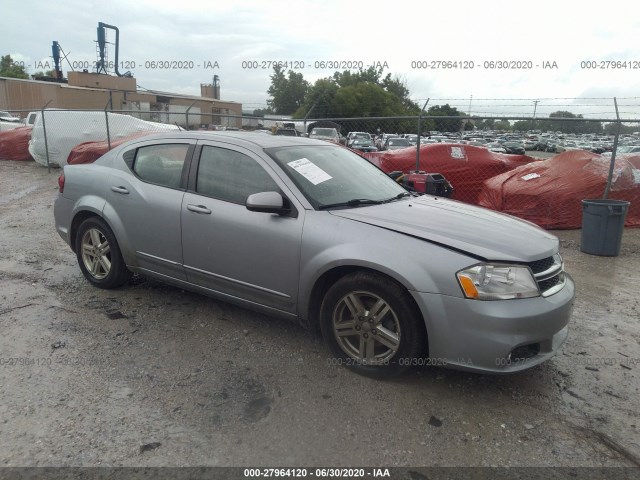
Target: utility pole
535 107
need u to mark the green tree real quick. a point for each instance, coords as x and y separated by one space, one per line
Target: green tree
485 124
348 78
447 125
398 87
612 128
555 123
8 68
503 125
320 98
287 91
521 125
261 112
48 73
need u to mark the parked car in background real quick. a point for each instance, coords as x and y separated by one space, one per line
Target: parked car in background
382 139
327 134
496 147
629 149
554 146
625 150
357 135
8 117
31 117
363 145
9 122
413 139
284 225
513 148
289 132
396 143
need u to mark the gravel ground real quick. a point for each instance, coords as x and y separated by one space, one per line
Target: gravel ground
151 375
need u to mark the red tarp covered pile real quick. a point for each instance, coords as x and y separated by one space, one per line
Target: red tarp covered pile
466 167
549 193
89 152
14 144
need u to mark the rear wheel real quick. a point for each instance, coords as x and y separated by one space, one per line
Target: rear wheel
371 325
99 256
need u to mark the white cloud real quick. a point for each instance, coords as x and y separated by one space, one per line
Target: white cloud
308 31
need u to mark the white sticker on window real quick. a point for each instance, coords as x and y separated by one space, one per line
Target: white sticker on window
310 171
530 176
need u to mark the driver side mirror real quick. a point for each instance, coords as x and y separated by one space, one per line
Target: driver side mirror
268 202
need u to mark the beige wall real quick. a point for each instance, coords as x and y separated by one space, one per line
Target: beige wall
27 95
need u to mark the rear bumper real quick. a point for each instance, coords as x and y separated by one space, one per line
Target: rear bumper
482 335
62 212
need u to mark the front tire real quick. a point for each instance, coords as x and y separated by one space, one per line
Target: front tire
371 325
99 256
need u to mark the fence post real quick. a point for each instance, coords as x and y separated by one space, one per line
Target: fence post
106 119
44 132
307 116
419 135
613 151
186 114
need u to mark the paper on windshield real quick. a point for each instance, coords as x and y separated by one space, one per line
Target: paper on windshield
310 171
458 153
530 176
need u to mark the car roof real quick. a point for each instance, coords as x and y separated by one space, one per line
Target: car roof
247 139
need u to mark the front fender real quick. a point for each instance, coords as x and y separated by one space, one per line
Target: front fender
414 263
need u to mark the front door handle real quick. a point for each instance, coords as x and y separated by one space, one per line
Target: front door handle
198 209
122 190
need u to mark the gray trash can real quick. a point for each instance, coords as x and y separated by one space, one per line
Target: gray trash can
602 226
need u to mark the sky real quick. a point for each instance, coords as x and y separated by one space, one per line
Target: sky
236 40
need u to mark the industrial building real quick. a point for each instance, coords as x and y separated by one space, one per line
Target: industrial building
93 91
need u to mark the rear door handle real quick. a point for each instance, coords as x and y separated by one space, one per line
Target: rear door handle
198 209
119 190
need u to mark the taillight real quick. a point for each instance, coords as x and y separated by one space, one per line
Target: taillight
61 183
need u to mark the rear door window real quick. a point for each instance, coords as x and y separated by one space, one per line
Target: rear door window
161 164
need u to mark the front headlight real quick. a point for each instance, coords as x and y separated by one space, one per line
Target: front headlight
497 282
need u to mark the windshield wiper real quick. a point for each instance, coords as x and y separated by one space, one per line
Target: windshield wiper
397 197
355 202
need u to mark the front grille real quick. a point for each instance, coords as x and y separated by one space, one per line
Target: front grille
548 284
549 274
541 265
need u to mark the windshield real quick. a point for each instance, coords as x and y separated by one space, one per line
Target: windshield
399 142
328 175
324 132
287 132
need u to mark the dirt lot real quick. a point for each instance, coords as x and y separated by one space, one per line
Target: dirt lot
151 375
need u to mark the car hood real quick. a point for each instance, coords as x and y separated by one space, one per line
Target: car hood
473 230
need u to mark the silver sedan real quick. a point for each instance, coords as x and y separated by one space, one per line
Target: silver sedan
308 230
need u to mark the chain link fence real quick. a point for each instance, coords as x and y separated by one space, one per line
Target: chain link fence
534 168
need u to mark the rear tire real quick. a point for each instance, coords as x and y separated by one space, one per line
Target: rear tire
99 255
372 325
